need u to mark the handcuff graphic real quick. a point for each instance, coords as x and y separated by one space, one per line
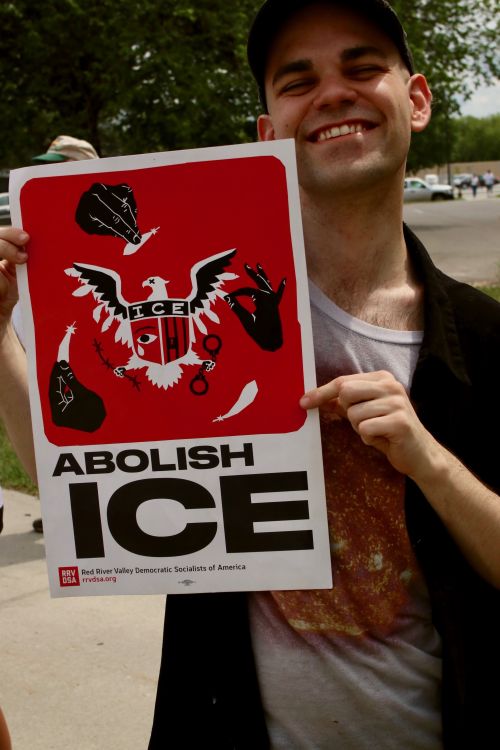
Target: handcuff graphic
212 345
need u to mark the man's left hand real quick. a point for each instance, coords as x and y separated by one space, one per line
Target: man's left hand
380 411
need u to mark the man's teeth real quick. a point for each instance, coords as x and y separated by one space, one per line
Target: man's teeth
343 130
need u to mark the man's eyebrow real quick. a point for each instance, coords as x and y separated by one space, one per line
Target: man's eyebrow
295 66
354 53
348 55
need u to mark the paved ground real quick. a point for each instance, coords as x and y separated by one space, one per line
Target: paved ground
75 674
462 236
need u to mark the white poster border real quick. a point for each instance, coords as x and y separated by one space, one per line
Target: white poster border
212 568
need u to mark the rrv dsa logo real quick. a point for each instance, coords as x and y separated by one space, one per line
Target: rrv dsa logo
69 577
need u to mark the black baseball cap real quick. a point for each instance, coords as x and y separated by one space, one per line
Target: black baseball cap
273 15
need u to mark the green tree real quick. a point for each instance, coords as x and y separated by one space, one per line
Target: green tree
142 76
127 76
190 84
476 139
62 67
455 44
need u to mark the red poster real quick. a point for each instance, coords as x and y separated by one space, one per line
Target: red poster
168 336
163 300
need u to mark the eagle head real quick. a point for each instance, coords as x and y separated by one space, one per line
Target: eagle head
158 287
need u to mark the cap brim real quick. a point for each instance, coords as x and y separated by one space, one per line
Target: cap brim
49 157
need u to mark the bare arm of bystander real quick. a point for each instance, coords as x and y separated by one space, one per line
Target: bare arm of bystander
14 400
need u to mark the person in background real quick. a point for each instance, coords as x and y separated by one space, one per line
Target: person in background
17 325
5 742
474 183
64 148
489 181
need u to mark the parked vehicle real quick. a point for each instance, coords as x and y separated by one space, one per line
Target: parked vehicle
4 208
416 189
462 180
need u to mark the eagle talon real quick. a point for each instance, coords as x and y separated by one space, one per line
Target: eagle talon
119 372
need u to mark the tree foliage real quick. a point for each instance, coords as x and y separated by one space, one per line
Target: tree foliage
128 76
455 44
476 139
143 76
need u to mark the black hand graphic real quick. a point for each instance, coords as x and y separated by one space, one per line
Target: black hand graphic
264 323
109 210
71 403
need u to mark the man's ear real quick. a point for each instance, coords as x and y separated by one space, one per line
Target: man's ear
265 128
420 102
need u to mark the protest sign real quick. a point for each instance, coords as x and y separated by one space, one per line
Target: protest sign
168 335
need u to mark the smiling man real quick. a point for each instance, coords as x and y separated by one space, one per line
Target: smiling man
402 652
330 56
399 652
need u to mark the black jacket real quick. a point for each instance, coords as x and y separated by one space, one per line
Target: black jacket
208 694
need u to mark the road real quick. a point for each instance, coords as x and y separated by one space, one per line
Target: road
462 236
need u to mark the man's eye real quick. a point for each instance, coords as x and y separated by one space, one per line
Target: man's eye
361 71
296 85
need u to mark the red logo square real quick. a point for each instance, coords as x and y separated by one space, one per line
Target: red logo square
69 576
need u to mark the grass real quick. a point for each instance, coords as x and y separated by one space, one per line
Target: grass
12 475
493 291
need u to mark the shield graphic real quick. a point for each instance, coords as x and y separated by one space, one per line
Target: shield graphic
161 329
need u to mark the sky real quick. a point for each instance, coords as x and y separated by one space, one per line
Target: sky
484 102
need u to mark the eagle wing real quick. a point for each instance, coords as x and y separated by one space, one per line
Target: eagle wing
207 278
105 286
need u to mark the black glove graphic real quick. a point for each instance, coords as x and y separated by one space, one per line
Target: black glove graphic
264 323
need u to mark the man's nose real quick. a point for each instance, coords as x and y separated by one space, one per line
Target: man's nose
334 90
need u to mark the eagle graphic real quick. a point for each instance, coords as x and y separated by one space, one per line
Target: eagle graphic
159 330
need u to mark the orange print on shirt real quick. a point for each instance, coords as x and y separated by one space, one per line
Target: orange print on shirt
373 564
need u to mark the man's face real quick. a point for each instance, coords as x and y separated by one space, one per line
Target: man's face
337 85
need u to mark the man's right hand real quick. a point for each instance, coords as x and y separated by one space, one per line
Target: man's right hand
12 253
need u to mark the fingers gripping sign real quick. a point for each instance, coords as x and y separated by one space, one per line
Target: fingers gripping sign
380 411
263 324
13 244
12 253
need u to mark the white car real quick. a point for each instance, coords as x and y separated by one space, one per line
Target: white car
4 208
416 189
